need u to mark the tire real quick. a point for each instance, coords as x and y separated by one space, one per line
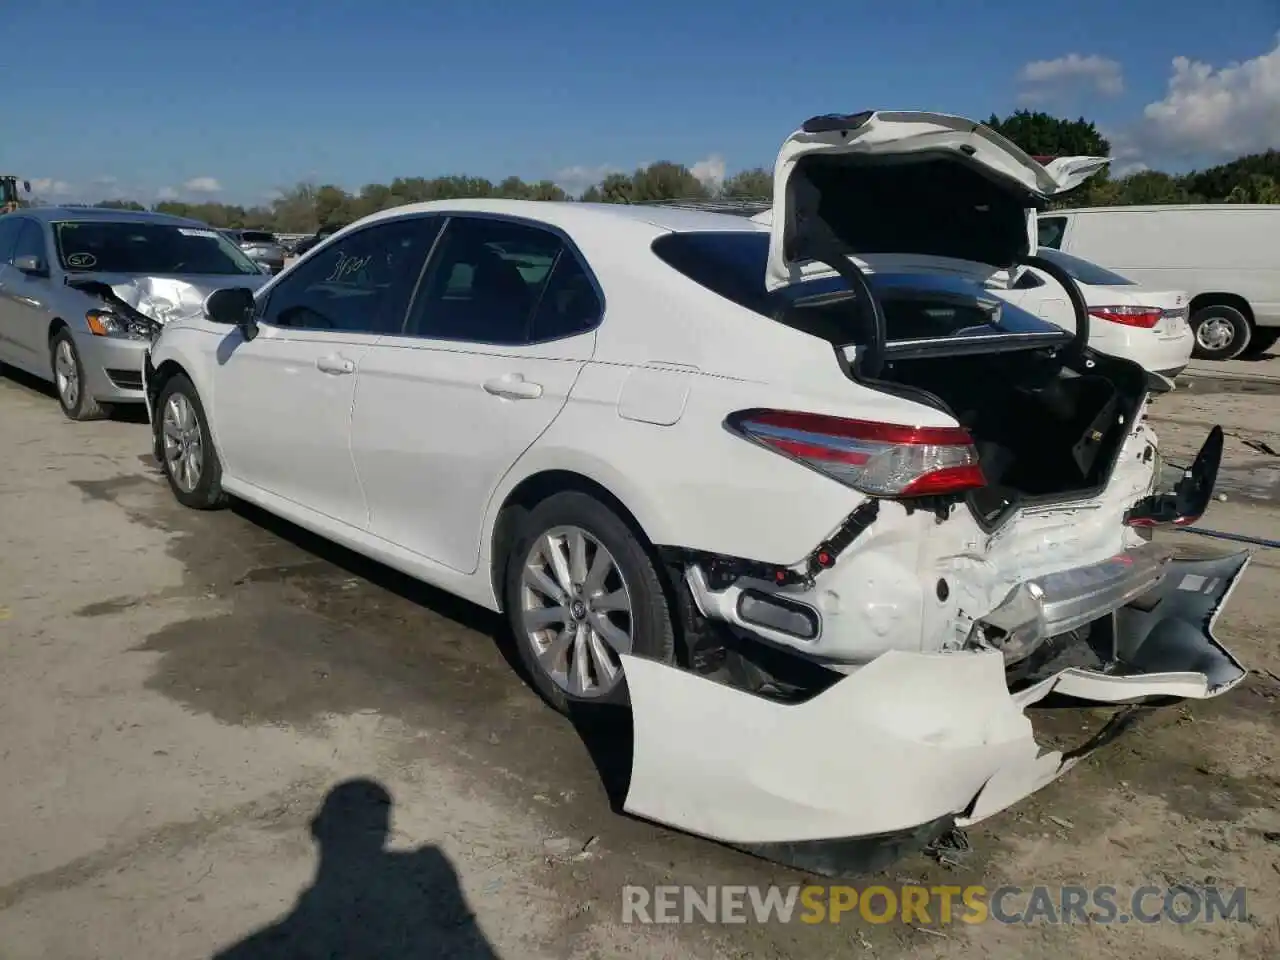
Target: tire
178 406
1226 329
69 381
634 574
1263 339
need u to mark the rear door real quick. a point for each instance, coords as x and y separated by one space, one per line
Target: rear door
503 322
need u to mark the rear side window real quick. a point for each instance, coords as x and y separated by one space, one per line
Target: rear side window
569 304
731 264
1051 232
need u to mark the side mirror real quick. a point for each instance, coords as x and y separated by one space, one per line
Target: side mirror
233 307
31 266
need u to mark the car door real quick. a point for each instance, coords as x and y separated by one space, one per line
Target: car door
500 328
282 401
25 326
9 227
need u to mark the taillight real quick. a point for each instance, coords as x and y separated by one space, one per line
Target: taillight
882 459
1143 317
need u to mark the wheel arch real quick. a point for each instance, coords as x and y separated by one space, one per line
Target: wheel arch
539 484
1202 300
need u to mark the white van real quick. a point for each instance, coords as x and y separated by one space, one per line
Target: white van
1226 255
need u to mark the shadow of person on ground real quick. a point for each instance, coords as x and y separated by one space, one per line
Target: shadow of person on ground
367 901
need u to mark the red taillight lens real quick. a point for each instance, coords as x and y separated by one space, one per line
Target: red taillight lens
1142 317
882 459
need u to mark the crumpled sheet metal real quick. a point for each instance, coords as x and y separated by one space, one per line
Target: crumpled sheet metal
163 299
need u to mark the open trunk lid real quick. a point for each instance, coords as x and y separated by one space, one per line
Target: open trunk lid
912 185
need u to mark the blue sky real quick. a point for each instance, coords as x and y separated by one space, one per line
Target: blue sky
147 98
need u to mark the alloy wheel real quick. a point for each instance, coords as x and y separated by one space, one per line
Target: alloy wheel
576 611
182 442
66 374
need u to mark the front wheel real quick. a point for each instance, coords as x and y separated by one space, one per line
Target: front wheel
1222 332
580 589
188 457
69 379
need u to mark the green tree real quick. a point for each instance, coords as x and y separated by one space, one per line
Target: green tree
1044 135
119 205
750 184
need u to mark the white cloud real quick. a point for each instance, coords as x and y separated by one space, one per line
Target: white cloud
48 187
1211 113
166 193
710 171
1043 79
574 180
202 185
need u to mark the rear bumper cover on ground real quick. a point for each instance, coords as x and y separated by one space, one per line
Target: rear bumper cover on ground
908 740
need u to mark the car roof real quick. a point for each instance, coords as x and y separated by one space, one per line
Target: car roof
108 215
570 214
1169 208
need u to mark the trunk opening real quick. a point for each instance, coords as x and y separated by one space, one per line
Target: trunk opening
1045 430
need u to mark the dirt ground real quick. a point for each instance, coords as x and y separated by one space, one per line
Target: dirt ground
180 693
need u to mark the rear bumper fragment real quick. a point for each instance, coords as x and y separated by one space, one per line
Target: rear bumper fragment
909 741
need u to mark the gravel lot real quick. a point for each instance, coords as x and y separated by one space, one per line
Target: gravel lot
180 692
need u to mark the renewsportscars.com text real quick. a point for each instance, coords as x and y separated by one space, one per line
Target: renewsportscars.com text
936 905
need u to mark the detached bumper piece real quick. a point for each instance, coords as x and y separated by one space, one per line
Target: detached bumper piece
896 752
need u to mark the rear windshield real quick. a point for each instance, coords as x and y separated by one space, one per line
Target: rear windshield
732 264
103 246
254 236
1082 271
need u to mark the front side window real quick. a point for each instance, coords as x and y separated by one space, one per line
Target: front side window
9 229
361 284
486 281
146 248
30 243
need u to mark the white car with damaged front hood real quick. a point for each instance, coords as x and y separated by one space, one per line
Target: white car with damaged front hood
823 511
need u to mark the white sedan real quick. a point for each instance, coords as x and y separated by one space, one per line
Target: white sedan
1127 320
828 531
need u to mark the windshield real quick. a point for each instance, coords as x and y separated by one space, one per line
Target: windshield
104 246
1082 271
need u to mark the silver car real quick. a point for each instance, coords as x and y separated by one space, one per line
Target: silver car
260 247
83 290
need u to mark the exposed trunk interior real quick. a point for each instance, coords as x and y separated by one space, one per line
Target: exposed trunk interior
1043 430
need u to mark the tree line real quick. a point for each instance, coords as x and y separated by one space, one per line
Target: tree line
305 207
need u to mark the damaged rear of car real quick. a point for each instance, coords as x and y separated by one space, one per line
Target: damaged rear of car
996 548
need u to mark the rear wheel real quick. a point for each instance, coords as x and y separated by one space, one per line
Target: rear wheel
580 588
69 380
188 457
1222 332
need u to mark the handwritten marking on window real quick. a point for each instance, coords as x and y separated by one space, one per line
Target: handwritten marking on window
348 267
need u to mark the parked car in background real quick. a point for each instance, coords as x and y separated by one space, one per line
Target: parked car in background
1224 255
826 531
83 289
319 237
260 247
1126 320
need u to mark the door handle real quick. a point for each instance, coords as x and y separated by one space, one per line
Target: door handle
29 301
513 387
335 364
